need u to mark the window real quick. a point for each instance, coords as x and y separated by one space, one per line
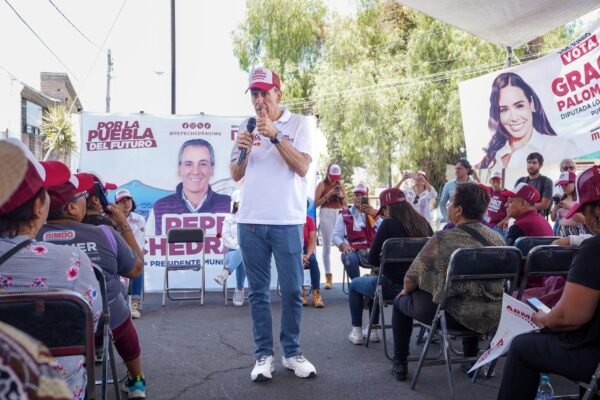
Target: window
31 117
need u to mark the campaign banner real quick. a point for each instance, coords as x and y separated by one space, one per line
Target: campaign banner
550 105
169 164
515 320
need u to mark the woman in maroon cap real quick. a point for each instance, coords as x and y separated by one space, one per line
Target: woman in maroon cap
569 344
24 205
568 226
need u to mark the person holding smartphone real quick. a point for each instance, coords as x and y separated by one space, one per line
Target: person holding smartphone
569 344
330 195
355 230
421 194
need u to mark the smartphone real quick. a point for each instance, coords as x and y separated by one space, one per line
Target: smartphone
364 200
556 199
101 195
537 305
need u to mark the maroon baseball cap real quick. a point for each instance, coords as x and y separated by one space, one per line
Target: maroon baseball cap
390 196
263 79
566 177
334 172
37 175
61 195
588 189
524 191
105 185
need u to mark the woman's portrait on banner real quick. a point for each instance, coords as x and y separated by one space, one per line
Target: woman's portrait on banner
518 123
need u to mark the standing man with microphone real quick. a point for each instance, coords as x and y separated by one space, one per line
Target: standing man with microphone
270 222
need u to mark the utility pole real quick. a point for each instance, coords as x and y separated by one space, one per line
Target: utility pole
108 78
173 69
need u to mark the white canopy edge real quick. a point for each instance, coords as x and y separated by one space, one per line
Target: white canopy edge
504 22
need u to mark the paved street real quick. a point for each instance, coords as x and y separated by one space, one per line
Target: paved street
206 352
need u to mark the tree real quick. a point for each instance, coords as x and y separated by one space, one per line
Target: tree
353 99
284 35
58 133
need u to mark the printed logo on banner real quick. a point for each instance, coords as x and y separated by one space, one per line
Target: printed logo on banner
119 135
56 236
580 48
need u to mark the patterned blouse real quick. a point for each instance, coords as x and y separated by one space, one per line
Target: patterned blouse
476 304
46 265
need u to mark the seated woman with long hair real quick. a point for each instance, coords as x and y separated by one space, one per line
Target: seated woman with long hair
569 344
400 220
471 305
24 206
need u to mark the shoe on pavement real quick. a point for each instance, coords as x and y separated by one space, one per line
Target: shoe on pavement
300 365
328 280
304 298
400 369
356 335
222 277
316 299
374 335
135 388
238 297
135 309
263 369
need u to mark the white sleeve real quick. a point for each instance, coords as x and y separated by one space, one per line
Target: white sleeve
431 194
303 138
339 231
228 240
577 239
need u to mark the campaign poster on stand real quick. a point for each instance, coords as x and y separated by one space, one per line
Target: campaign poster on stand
170 164
550 105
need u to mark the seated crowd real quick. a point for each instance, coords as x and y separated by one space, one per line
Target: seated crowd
46 202
42 201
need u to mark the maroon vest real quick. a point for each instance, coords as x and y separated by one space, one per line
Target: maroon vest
358 239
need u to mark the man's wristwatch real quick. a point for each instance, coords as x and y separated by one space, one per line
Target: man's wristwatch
278 138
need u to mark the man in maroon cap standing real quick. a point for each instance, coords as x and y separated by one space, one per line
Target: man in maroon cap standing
272 154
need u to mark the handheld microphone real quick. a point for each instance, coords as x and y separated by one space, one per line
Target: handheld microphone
250 128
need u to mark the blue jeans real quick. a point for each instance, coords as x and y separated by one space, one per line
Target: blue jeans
351 263
364 286
136 286
315 273
257 243
234 262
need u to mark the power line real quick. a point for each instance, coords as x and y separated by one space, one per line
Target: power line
73 25
42 41
440 76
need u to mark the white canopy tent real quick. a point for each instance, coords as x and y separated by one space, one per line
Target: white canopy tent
509 23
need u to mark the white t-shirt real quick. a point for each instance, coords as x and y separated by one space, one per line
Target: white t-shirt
273 194
137 223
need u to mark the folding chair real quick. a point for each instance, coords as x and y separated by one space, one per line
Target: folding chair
467 264
544 261
541 261
591 388
61 319
184 236
397 253
107 345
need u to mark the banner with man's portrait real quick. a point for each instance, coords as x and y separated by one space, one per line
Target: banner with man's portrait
177 171
550 105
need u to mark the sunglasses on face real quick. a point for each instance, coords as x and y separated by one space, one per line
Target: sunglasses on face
416 200
569 168
80 195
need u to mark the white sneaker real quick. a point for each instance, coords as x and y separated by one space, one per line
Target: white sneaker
222 277
356 335
263 369
374 335
238 297
300 365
